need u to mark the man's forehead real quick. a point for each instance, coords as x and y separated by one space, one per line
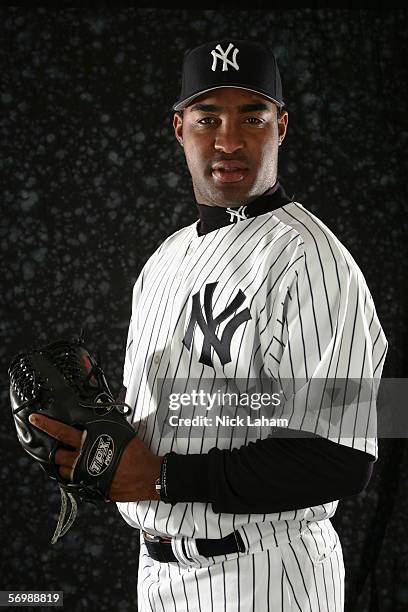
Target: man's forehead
230 97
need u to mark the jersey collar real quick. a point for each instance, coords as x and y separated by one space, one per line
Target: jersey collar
214 217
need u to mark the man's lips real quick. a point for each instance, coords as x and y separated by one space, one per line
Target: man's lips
229 171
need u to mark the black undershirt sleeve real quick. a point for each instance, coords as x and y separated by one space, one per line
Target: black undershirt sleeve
270 475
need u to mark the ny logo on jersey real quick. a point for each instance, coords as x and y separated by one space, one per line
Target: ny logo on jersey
238 215
223 56
208 324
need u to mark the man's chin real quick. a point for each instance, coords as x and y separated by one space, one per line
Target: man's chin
230 194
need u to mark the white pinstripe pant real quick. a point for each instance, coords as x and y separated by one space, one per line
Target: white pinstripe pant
303 575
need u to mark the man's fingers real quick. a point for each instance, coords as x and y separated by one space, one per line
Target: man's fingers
66 460
66 457
56 429
65 472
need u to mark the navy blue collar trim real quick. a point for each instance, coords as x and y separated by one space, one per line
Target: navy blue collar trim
214 217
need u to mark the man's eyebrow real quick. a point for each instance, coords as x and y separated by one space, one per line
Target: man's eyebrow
244 108
256 106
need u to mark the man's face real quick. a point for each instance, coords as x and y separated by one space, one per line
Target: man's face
231 138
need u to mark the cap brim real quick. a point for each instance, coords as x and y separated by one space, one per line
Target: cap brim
181 104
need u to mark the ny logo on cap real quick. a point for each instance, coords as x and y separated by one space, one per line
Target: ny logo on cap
223 55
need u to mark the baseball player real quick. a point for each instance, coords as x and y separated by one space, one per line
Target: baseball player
233 501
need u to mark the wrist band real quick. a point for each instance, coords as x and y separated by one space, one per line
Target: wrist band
162 481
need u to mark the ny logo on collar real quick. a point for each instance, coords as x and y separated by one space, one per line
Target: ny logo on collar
237 215
204 318
223 56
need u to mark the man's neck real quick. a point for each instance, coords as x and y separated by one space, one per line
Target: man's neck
244 203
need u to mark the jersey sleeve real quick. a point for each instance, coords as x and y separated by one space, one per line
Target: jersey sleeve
132 337
128 356
331 352
130 342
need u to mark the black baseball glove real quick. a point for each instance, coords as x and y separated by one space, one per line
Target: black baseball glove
64 381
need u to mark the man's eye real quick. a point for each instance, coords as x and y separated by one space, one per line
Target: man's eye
254 120
206 120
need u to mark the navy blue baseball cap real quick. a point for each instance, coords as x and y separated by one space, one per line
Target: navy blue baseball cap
229 62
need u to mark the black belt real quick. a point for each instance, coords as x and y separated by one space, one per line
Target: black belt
160 548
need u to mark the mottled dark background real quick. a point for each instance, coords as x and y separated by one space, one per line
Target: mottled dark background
92 181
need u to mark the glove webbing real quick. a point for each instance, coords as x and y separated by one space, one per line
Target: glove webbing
61 528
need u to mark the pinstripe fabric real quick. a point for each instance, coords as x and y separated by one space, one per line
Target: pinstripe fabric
311 319
306 574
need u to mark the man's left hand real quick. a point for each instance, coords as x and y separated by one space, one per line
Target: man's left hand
135 475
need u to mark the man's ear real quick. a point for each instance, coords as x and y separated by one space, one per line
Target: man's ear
178 126
282 125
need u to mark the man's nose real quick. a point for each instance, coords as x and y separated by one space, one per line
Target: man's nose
229 138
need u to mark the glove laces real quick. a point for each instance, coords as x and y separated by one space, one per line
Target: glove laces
62 528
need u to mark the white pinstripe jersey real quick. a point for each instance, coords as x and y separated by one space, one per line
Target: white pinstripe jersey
312 317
